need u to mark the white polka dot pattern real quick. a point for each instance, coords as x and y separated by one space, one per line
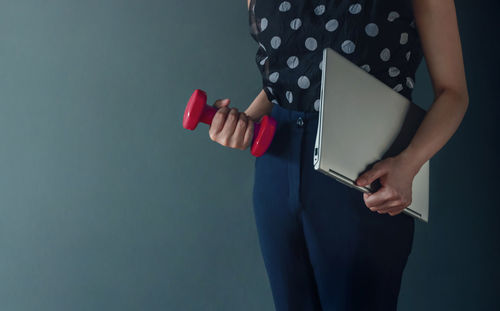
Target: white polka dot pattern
316 104
311 44
398 87
404 38
371 29
332 25
385 54
275 42
285 6
393 71
303 82
320 9
377 36
392 16
348 46
366 67
263 24
274 77
295 23
409 82
292 62
355 8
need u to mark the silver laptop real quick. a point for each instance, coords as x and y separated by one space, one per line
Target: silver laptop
361 121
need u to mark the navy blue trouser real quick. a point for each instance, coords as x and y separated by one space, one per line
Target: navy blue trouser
323 249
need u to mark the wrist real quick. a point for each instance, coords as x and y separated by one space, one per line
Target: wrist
254 117
410 159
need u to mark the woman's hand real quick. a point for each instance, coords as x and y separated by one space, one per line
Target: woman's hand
229 127
396 177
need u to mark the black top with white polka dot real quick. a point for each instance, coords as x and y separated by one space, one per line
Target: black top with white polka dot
378 35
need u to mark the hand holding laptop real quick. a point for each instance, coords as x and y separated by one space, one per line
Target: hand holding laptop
363 127
395 175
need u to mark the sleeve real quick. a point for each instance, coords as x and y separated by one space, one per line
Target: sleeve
262 61
261 57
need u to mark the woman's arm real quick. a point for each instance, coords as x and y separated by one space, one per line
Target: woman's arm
437 27
259 107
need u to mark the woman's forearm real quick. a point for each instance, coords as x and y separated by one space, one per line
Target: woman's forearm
438 126
259 107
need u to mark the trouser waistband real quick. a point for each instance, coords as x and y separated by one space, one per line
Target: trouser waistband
305 121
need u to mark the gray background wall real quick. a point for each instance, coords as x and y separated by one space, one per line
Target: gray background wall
107 203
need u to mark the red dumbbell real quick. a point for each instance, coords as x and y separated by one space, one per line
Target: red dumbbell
197 111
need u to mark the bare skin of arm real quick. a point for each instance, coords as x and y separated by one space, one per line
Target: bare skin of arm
259 107
437 26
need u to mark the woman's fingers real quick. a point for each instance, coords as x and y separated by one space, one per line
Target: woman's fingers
247 140
383 195
221 103
386 207
239 132
395 211
229 126
383 201
218 123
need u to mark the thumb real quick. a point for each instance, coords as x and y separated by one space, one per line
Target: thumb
370 176
221 102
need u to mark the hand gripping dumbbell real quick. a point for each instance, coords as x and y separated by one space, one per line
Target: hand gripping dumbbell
197 111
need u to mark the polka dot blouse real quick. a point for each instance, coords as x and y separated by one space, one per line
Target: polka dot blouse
378 35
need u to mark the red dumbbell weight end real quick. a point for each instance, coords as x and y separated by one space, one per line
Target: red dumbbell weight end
197 111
